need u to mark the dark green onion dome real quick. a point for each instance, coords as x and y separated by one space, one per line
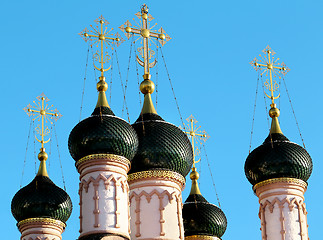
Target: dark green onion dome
41 199
200 217
102 132
162 146
277 157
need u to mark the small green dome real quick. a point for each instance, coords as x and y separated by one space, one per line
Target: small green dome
162 146
202 218
41 199
102 132
277 157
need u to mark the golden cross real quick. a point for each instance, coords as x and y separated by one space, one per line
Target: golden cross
146 33
100 35
269 64
196 136
43 113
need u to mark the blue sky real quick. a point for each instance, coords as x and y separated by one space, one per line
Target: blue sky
208 60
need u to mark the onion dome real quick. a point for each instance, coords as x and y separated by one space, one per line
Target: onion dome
162 145
41 198
102 132
201 218
277 157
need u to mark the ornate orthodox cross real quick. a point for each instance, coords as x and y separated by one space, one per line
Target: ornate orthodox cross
100 35
44 113
196 136
268 64
146 33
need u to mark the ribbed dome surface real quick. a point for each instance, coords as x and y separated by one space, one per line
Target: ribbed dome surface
277 157
202 218
102 132
41 198
162 146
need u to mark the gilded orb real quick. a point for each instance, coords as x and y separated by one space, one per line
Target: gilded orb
269 66
128 29
147 86
86 35
145 33
42 156
162 36
117 39
42 112
102 86
274 112
101 21
101 37
194 175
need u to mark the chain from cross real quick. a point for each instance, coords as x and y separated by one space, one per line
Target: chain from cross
146 33
196 136
268 64
100 35
44 113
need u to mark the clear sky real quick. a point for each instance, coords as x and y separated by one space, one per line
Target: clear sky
208 61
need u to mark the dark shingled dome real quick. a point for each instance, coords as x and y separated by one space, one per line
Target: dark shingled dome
277 157
41 199
162 146
202 218
102 132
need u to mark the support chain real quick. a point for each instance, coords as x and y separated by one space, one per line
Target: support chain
111 77
127 78
254 112
23 168
35 155
156 78
86 64
50 148
124 88
170 81
137 73
208 163
290 101
59 157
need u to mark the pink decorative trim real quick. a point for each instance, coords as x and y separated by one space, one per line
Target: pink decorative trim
263 228
105 168
96 210
179 217
81 212
282 221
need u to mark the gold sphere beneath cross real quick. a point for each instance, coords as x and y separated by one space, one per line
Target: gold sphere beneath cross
42 156
274 112
145 33
102 86
147 86
194 175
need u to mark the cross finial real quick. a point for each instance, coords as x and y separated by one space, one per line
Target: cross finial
269 65
196 136
99 35
45 114
147 35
